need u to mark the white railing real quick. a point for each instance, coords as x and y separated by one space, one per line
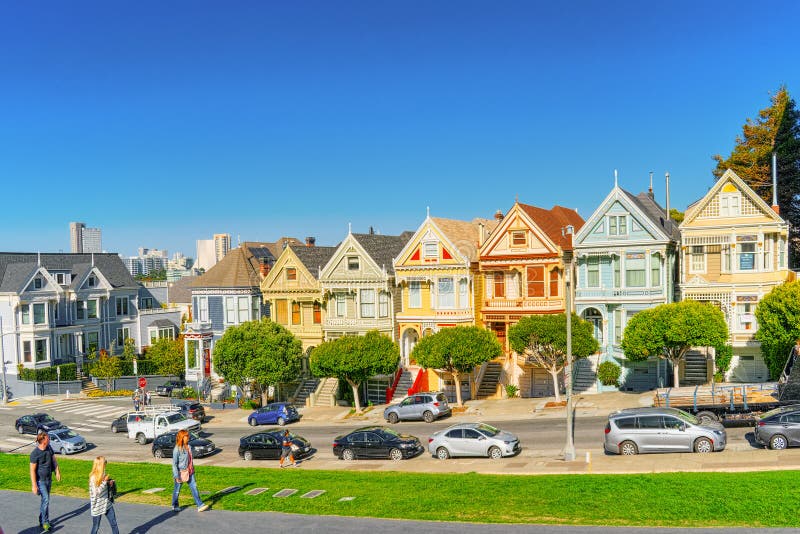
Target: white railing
524 303
619 292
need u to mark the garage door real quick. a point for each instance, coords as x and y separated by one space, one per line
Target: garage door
749 369
541 383
640 376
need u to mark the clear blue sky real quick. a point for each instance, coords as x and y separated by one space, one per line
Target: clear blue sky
165 122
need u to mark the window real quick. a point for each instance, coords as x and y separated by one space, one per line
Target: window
593 271
446 293
90 342
160 333
291 273
146 303
317 313
617 326
781 253
729 204
244 307
60 279
38 313
41 350
747 319
341 305
635 269
430 250
26 314
616 267
281 311
37 283
352 263
747 256
203 308
535 281
383 304
92 281
27 355
295 313
414 294
626 423
650 421
768 244
499 284
655 270
122 335
519 238
554 276
91 309
367 300
697 260
230 310
122 305
617 225
463 293
256 308
726 258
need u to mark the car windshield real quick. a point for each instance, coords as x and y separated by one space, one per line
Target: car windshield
686 416
193 436
64 434
488 430
390 432
44 418
176 418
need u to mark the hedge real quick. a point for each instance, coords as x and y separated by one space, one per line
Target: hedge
145 367
69 371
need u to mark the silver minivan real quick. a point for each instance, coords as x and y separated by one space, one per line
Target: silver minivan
642 430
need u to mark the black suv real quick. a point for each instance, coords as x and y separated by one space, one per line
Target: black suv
192 410
165 390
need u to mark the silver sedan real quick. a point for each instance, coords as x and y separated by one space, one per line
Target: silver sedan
473 439
66 441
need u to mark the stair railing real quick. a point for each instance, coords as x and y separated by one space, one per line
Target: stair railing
390 390
422 378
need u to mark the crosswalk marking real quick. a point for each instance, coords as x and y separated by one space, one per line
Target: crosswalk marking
19 440
82 429
96 425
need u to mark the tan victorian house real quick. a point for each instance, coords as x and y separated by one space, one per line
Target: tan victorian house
733 252
521 272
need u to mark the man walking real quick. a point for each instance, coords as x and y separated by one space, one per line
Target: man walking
43 464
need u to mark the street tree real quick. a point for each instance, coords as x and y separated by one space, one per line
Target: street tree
668 331
457 351
258 353
542 339
167 356
778 315
107 368
355 359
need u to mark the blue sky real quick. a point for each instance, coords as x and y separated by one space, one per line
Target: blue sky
166 122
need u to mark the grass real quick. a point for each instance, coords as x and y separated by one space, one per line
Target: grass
760 499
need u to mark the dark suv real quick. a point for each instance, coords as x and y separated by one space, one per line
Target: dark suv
192 410
165 390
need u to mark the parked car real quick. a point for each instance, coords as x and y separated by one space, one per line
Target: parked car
276 413
425 406
120 424
146 425
779 428
65 441
267 445
641 430
473 439
32 424
192 410
165 443
166 389
376 442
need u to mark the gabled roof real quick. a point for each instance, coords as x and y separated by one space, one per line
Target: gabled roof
461 233
16 268
262 249
553 220
655 213
383 248
313 258
179 291
237 269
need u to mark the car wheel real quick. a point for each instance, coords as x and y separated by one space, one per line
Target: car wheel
63 451
495 453
348 455
248 456
777 442
20 429
158 453
706 417
442 453
114 429
393 418
628 448
703 445
428 417
396 454
252 421
281 421
141 439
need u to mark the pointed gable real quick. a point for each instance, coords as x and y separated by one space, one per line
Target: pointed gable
313 258
532 231
234 270
382 249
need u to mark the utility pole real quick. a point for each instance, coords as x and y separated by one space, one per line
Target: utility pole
569 448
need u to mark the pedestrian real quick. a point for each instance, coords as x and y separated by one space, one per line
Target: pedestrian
147 399
286 449
100 496
43 464
183 471
136 400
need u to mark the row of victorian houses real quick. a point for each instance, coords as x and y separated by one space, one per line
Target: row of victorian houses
730 250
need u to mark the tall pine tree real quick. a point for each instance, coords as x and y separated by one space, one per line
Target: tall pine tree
777 128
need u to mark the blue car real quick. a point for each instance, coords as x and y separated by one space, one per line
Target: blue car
278 413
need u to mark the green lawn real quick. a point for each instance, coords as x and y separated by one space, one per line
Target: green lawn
758 499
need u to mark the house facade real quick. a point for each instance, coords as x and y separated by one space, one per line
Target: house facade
734 250
626 261
520 272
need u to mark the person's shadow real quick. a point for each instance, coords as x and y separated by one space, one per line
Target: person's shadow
57 523
153 522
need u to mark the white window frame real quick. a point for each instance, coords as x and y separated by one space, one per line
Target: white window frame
25 315
730 204
695 266
430 250
445 300
60 279
415 294
255 310
44 350
769 243
618 225
37 283
122 306
740 254
341 305
463 293
655 270
41 306
383 304
230 310
243 310
592 267
202 305
154 333
89 314
366 303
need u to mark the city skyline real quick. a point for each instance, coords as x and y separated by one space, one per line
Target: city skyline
263 120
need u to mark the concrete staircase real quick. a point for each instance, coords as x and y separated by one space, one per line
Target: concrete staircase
585 380
695 371
403 385
325 394
88 386
304 390
489 381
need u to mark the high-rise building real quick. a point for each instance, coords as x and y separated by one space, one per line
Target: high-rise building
82 239
222 245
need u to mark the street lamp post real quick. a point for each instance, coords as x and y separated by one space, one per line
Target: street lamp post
3 362
569 448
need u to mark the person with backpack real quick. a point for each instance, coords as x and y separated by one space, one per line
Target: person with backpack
287 449
101 496
183 471
43 465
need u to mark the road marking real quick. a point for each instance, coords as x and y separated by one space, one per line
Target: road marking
19 440
96 425
82 429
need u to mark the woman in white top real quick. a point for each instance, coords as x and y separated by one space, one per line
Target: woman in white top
98 496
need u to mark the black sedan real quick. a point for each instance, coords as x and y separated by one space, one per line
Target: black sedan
32 424
267 445
166 389
165 443
120 424
376 442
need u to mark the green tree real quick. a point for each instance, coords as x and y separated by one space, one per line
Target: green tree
457 351
167 356
107 368
543 340
676 216
261 353
777 128
355 359
778 315
128 349
668 331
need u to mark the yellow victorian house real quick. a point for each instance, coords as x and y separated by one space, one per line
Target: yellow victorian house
433 272
733 252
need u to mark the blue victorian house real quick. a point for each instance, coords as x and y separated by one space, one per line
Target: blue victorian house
626 262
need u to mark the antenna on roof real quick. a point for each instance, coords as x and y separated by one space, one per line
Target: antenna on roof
38 259
428 210
615 178
349 228
92 259
651 184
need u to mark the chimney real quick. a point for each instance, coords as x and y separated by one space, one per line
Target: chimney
371 231
481 233
667 207
311 241
650 191
264 268
775 206
498 215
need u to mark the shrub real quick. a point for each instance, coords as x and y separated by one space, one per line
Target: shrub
48 374
608 373
189 393
251 404
511 391
115 393
723 359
